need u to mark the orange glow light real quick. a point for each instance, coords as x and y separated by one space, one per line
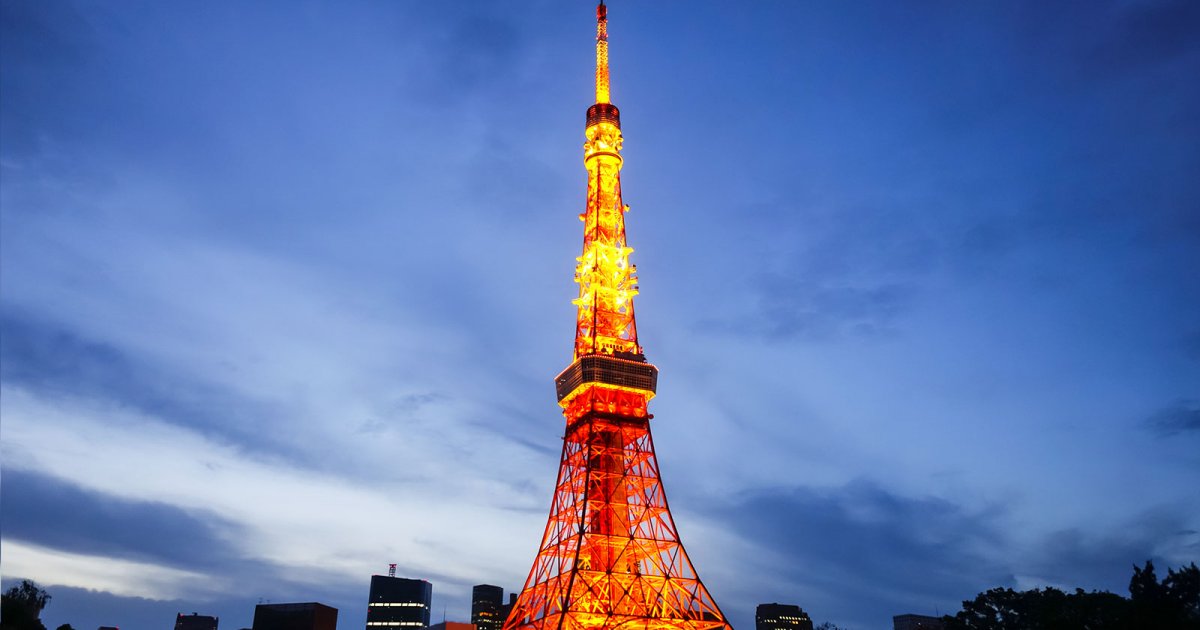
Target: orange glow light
610 556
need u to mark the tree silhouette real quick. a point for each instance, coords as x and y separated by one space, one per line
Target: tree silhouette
1183 592
21 606
1173 604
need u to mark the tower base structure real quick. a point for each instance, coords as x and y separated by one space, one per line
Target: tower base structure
611 556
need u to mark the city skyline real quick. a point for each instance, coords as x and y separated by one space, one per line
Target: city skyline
284 291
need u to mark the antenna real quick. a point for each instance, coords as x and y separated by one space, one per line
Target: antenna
392 570
602 95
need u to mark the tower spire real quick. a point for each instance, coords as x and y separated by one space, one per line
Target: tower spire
607 281
602 53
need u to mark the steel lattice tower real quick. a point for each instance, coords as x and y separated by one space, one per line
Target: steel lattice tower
610 557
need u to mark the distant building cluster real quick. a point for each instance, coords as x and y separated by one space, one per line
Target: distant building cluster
792 617
393 603
397 603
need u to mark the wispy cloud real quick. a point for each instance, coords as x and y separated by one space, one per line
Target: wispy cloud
134 460
1181 417
104 573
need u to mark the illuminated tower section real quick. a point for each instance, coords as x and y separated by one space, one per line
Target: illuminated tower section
610 556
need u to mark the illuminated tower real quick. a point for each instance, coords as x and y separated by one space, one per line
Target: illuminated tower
610 556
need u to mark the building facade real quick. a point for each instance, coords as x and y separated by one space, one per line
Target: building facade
399 603
507 608
487 607
781 617
917 622
303 616
195 621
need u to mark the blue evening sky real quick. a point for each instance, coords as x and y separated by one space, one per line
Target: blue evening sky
285 285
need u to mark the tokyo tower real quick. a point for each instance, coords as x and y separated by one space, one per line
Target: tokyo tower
610 556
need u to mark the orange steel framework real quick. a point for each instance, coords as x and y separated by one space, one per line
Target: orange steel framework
610 556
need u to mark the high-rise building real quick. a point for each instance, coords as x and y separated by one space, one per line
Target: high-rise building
917 622
301 616
781 617
396 602
487 603
195 621
506 609
610 556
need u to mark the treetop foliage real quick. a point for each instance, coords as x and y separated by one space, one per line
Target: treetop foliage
21 606
1172 604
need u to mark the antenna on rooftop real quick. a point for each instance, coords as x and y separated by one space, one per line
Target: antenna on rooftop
392 570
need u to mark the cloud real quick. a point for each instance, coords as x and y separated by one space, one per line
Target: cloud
113 575
277 510
829 272
861 543
165 512
1080 558
477 50
1181 417
43 45
793 307
1144 34
50 512
800 306
43 356
860 553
